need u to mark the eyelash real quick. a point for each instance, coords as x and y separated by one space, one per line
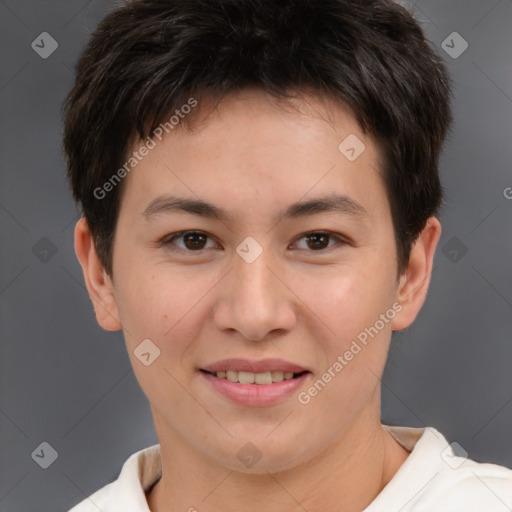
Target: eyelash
167 241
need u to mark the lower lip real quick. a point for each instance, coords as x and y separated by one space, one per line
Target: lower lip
256 395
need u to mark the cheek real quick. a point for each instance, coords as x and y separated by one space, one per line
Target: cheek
353 298
145 304
355 354
350 304
163 307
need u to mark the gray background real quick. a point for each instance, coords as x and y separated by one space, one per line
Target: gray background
65 381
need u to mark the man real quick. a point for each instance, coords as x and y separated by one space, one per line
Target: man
259 188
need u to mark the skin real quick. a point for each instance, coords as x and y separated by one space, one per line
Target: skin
254 156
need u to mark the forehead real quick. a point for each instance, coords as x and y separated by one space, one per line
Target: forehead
252 148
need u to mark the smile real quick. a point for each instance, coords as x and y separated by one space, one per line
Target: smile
261 378
252 383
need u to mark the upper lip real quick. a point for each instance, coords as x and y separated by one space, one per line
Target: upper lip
260 366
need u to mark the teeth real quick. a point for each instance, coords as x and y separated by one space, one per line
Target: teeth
254 378
263 378
232 376
246 377
277 376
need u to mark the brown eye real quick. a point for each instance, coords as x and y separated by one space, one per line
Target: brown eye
317 241
191 241
194 241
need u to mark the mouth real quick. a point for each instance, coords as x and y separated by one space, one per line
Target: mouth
260 378
255 383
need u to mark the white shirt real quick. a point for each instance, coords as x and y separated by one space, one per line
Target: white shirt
432 479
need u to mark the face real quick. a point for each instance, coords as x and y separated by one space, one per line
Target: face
301 297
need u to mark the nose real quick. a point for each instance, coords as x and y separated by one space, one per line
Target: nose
256 301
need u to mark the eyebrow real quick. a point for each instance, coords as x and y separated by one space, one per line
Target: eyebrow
333 203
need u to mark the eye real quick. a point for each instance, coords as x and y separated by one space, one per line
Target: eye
318 240
194 241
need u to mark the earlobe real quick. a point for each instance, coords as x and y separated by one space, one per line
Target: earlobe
98 283
413 286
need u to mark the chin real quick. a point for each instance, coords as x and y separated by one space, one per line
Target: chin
260 457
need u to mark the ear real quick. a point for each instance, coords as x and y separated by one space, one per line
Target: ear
97 281
413 286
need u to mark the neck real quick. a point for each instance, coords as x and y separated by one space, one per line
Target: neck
347 477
